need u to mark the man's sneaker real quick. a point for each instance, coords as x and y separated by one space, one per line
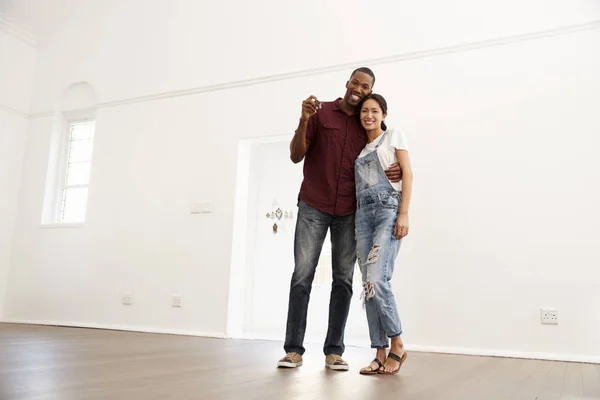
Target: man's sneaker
335 362
291 360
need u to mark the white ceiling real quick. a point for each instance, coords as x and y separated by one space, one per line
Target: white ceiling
44 18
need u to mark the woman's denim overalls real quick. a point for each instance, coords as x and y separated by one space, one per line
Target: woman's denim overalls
376 214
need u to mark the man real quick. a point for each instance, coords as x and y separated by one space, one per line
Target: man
329 138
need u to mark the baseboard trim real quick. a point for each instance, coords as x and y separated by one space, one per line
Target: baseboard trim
363 343
125 328
579 358
350 342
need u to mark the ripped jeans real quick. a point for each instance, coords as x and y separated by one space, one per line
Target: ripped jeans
377 249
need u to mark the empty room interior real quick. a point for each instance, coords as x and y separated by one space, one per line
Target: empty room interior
160 237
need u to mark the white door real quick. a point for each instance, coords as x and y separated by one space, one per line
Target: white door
274 185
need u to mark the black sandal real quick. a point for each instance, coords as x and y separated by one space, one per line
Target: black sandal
370 370
397 358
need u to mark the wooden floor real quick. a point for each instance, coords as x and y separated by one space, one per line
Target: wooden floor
80 364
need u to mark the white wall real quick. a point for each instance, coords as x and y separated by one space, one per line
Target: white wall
486 230
503 142
16 80
187 44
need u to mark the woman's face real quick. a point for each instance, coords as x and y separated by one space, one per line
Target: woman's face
371 115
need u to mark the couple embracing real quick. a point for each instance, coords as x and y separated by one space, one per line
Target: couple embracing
357 184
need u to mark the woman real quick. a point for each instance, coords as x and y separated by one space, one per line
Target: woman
381 223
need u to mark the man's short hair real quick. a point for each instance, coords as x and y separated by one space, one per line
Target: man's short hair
365 70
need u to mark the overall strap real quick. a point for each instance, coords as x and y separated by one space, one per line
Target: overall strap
381 140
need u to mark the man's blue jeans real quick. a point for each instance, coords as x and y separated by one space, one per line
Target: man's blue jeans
311 229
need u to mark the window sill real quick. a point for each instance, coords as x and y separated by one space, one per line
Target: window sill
59 225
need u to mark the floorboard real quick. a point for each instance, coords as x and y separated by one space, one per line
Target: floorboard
57 363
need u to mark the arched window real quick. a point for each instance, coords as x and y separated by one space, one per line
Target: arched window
70 162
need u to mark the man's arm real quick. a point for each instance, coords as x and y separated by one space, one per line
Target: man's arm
394 173
301 140
299 145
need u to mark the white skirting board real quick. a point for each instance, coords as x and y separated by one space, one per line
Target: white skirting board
67 324
350 342
506 353
364 343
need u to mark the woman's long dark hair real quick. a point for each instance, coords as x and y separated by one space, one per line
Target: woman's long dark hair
382 103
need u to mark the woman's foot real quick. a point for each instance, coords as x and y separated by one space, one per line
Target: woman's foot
371 368
392 365
375 365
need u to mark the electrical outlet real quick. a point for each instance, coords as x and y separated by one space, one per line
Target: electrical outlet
127 299
201 208
549 316
176 300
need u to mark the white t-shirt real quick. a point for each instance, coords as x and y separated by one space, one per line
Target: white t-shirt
386 152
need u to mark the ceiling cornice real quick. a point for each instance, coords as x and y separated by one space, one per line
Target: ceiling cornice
11 110
434 52
13 28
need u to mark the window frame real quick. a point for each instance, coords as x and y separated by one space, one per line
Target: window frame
63 160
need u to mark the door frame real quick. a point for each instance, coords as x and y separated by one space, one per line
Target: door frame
239 250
